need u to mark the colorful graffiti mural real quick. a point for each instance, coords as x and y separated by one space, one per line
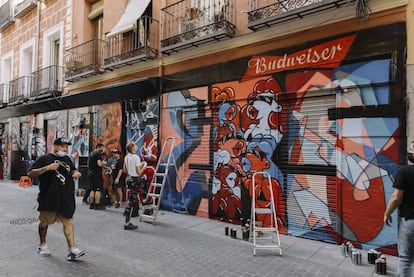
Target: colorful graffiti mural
142 128
332 158
182 112
109 126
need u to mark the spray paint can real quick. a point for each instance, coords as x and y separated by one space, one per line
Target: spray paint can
233 233
381 265
226 230
344 250
373 255
245 233
356 257
349 247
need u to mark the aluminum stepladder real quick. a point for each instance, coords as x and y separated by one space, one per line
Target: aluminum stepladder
274 241
166 160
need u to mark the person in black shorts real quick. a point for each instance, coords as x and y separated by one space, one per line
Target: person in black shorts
96 164
118 183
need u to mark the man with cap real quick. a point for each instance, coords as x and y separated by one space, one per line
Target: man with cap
96 164
118 183
56 197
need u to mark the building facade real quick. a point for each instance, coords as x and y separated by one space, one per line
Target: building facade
315 93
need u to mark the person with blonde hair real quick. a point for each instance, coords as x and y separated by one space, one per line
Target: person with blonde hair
133 167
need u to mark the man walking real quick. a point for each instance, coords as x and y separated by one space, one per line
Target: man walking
403 198
56 195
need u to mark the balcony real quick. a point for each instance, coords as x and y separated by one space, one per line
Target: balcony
84 60
4 95
46 82
6 15
133 46
24 8
267 13
19 90
190 23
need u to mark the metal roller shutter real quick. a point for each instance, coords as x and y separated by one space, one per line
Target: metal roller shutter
307 157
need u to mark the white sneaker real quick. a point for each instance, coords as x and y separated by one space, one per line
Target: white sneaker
74 253
43 251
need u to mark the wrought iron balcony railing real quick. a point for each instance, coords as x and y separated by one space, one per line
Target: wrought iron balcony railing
4 95
19 90
24 8
133 46
84 60
6 15
266 13
47 82
190 23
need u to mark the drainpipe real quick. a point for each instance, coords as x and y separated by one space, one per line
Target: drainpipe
37 42
37 121
160 89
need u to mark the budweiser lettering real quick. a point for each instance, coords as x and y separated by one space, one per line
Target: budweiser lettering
326 55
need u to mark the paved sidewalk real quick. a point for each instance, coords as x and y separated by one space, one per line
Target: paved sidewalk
176 245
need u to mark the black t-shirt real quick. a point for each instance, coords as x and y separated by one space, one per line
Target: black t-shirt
405 182
93 162
56 188
119 165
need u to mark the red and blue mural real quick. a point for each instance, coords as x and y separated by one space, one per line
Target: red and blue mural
314 123
142 128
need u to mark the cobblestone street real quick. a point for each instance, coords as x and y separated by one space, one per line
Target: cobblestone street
176 245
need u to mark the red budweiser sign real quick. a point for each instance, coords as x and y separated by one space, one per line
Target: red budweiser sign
326 55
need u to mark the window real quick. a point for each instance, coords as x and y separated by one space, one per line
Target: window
97 24
52 48
26 66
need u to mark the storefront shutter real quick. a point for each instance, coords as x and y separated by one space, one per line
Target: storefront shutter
307 157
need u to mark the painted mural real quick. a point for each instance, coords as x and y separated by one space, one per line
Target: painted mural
184 113
79 134
142 128
109 126
303 118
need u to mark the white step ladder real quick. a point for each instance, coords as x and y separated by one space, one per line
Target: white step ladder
266 243
156 188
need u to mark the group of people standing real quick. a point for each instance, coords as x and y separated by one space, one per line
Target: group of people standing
123 172
56 173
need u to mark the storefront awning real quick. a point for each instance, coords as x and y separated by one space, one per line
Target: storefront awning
132 90
127 22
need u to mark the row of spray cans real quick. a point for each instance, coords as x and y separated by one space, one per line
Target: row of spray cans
348 250
379 260
374 257
245 230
